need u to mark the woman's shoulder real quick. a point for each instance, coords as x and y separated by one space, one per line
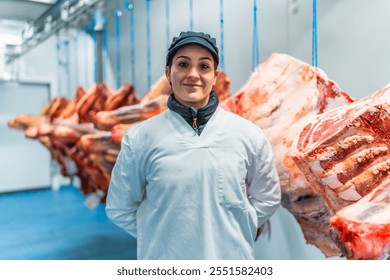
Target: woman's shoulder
147 128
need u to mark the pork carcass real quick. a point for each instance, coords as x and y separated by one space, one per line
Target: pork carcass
344 154
282 97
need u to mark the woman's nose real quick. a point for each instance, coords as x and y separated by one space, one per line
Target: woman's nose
193 73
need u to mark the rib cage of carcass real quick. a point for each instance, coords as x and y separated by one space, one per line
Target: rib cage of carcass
281 98
345 155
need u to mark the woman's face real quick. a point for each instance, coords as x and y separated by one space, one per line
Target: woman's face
192 75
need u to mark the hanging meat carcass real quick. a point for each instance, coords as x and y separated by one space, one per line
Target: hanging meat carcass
152 104
282 97
345 156
50 111
222 86
362 230
96 154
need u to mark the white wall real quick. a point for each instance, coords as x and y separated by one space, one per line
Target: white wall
24 163
49 62
352 42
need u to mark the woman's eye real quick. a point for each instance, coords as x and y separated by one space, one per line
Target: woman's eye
204 66
183 64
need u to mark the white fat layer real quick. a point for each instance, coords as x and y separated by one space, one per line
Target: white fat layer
315 166
350 194
368 210
332 181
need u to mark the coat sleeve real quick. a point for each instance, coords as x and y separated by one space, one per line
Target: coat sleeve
126 188
263 183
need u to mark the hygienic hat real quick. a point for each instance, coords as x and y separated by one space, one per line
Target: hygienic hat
191 37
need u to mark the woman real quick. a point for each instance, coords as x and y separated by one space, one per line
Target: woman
194 182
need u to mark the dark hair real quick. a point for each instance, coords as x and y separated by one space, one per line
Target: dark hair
191 37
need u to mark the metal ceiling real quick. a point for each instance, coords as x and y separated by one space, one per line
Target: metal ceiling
23 10
26 23
16 14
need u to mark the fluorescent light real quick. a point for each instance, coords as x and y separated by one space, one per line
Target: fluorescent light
44 1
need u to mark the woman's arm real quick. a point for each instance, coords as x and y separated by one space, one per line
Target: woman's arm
263 184
125 192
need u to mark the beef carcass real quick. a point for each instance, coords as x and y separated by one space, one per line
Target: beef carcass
344 154
105 120
23 122
50 111
118 131
152 104
54 108
125 95
71 107
282 97
160 87
92 102
96 155
222 86
362 230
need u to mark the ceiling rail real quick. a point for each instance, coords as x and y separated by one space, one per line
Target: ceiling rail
59 16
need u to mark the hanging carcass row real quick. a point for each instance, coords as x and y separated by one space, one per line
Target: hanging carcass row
62 123
345 156
282 97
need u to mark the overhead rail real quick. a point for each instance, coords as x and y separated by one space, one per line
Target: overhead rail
57 17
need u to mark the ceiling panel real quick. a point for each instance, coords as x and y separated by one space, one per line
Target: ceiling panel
22 10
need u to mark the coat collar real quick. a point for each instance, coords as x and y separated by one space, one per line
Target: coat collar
188 113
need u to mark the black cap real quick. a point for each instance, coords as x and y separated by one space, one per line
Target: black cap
191 37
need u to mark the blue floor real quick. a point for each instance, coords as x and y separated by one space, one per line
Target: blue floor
56 225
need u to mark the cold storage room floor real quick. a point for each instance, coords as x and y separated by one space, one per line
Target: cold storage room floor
56 225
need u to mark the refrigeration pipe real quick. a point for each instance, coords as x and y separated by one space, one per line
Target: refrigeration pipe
148 48
118 14
191 16
98 34
167 31
130 7
314 51
222 36
255 49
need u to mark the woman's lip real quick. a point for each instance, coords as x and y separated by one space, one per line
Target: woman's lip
191 85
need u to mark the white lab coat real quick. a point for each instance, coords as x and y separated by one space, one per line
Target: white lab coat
185 196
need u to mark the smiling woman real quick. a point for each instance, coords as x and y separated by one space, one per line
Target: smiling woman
195 75
194 171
